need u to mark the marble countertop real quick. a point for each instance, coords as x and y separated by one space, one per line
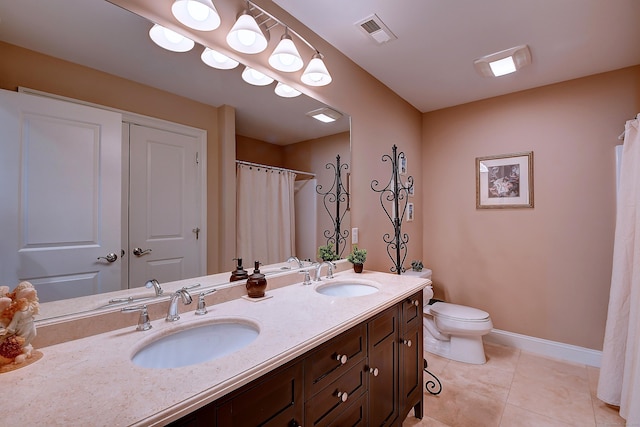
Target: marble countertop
92 381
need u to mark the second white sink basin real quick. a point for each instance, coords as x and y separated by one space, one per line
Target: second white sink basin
346 289
196 345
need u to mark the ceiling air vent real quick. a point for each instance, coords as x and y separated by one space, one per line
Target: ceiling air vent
376 29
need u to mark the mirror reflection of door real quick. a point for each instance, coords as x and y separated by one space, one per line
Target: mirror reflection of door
164 206
60 185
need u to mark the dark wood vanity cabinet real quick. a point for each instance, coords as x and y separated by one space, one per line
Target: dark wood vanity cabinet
370 375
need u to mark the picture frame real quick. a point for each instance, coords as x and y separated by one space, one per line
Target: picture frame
410 212
402 164
504 181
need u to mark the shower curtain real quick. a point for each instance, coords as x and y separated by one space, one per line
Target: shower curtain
265 215
619 382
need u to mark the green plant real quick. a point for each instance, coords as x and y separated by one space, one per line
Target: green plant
327 253
357 256
417 265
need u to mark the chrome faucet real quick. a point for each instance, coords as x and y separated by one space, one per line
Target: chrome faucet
295 258
329 272
143 321
153 283
172 314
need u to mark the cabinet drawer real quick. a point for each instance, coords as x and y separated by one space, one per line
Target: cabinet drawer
324 406
412 311
355 415
324 365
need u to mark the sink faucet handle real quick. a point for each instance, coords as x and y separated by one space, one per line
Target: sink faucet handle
307 277
202 306
143 321
195 285
153 283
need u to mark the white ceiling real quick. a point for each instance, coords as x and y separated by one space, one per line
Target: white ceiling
431 63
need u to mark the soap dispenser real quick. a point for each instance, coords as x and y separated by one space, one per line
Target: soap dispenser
257 283
240 273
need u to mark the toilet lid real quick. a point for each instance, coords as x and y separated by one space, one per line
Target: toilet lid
455 311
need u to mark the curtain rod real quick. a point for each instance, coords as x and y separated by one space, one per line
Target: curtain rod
242 162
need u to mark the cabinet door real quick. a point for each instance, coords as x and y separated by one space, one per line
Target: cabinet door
275 400
383 368
411 357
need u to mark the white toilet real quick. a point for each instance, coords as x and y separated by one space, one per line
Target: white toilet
453 331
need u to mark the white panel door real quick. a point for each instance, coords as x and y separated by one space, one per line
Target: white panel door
60 174
164 206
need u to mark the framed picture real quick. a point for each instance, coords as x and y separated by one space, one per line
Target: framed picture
402 164
504 181
410 212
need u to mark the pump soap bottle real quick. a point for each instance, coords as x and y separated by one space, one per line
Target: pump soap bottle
256 284
240 273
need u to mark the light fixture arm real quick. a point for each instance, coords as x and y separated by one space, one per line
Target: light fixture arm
252 6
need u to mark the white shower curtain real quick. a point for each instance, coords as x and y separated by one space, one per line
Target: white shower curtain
619 382
265 215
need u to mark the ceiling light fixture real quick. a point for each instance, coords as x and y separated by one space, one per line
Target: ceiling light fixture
255 77
286 91
316 73
215 59
246 36
285 56
325 114
197 14
503 62
170 40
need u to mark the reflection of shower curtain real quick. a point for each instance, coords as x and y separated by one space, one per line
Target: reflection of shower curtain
266 218
619 382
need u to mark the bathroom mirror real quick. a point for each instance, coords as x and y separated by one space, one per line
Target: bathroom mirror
70 30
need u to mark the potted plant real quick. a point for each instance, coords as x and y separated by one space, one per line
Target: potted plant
357 257
417 265
327 253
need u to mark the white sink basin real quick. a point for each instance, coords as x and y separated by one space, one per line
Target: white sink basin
346 289
196 345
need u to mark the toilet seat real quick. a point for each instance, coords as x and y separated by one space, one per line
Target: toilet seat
458 312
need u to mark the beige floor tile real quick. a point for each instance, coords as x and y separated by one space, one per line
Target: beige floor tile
606 415
487 379
514 416
501 356
436 364
556 399
411 421
456 406
553 370
594 376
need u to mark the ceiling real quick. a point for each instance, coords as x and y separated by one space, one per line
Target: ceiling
431 63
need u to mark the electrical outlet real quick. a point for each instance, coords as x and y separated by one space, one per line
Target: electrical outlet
354 236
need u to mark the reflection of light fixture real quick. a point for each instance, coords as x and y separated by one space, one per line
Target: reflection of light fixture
255 77
316 73
503 62
217 60
169 39
285 56
325 114
197 14
245 35
286 91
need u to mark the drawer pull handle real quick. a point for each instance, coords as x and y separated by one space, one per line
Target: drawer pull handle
342 358
415 302
407 343
374 371
342 395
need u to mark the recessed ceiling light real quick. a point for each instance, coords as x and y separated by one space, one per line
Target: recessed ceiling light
503 62
325 114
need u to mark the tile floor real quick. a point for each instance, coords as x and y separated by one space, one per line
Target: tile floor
514 389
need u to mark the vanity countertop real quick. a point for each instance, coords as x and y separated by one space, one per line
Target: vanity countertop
92 381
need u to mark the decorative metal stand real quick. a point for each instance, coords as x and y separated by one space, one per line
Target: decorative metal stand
433 387
336 195
396 195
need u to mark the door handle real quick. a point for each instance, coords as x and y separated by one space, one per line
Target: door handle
111 257
140 252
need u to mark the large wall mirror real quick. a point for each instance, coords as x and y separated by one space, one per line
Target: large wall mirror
103 36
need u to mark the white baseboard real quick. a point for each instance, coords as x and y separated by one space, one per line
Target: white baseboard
558 350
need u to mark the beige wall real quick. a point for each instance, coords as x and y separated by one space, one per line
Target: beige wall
545 271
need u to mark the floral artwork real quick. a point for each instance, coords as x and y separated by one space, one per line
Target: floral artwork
505 181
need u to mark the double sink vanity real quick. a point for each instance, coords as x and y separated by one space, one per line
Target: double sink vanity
342 351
